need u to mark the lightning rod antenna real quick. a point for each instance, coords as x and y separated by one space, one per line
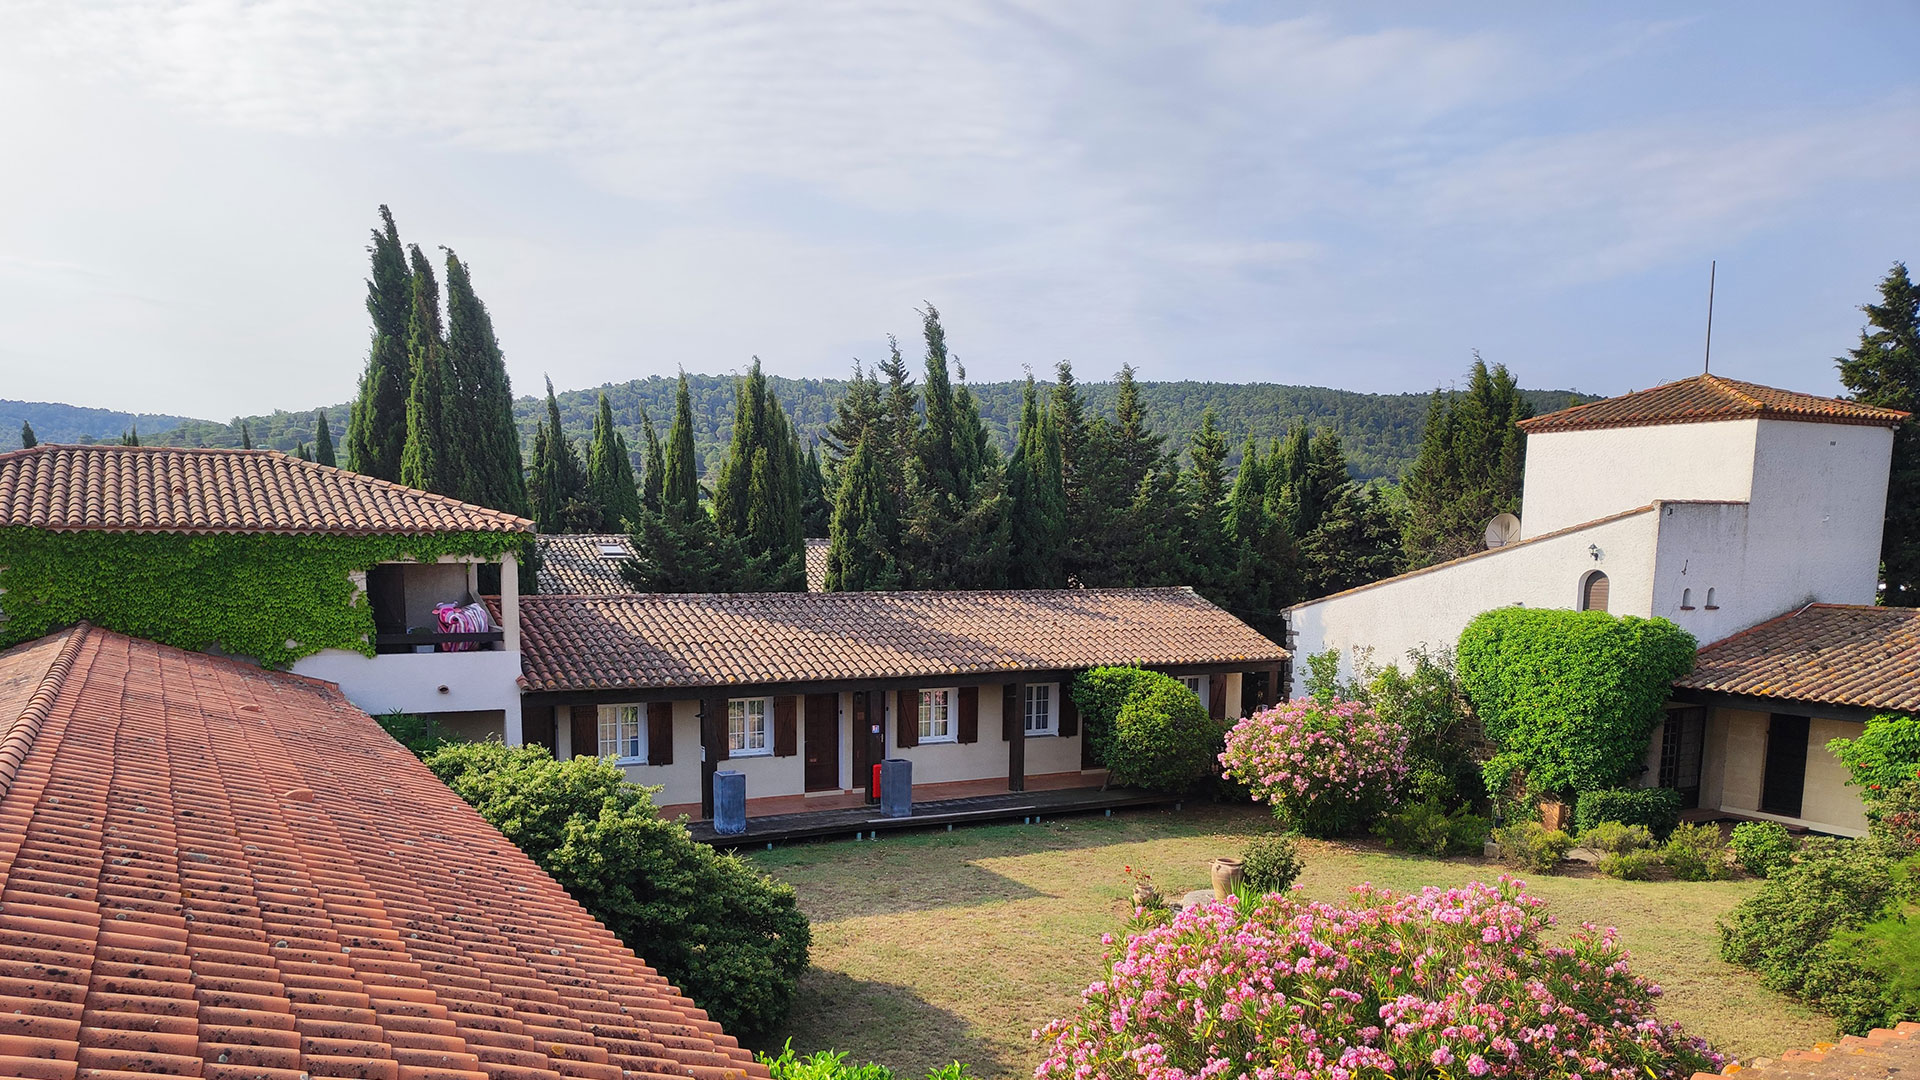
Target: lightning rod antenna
1712 268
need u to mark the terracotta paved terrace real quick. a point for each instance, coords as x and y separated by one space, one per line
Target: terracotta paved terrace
211 870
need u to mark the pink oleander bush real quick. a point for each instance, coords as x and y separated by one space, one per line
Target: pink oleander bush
1441 983
1325 768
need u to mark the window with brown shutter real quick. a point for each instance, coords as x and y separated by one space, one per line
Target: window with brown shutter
906 718
586 730
786 727
1217 697
660 733
969 725
1009 711
1593 592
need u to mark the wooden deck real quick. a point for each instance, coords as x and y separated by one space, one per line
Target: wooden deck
866 821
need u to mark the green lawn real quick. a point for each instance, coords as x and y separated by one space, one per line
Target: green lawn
936 946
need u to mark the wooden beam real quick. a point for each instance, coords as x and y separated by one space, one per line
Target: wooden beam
1016 737
1715 699
713 748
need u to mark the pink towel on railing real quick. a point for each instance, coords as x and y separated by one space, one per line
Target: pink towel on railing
455 619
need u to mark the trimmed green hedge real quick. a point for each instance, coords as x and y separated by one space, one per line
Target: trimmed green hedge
271 597
1147 728
1656 808
1569 697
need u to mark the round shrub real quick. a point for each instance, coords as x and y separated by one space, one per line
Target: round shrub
1569 698
1655 807
1272 863
1298 988
1163 738
1832 888
732 938
1696 853
1615 838
1325 769
1761 847
1531 846
1631 865
1100 693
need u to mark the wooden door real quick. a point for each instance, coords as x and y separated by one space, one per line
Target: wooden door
1784 782
823 742
868 728
1682 749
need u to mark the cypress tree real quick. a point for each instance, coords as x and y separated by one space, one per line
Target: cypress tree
756 496
679 548
680 491
1357 542
483 399
610 479
131 437
939 458
377 428
1265 577
1209 554
957 512
300 451
865 525
1037 500
561 503
816 511
322 440
1070 417
246 436
655 462
1884 370
431 459
1469 468
859 411
27 438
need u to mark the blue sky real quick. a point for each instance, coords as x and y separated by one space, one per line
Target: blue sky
1218 191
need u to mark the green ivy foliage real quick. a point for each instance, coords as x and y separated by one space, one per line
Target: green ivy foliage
1569 697
1885 755
272 597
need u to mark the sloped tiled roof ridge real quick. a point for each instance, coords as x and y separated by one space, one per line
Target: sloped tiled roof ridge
729 639
208 490
207 869
1704 398
1831 654
1880 1054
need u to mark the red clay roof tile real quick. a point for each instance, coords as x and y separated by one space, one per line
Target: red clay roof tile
165 910
1705 398
172 489
1830 654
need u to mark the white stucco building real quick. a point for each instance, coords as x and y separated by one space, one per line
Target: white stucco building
1715 503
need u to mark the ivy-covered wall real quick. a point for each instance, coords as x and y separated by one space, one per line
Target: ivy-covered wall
272 597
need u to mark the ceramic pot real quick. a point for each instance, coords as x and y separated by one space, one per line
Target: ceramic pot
1229 874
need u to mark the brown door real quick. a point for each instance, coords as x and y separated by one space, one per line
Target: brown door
823 742
868 726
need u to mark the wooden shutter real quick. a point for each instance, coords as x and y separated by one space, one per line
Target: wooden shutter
786 738
660 733
1593 597
1217 696
1069 714
906 720
586 731
1010 712
969 714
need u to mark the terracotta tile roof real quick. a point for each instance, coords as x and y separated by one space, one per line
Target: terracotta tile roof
1831 654
817 564
211 870
640 641
1710 397
1880 1054
172 489
574 563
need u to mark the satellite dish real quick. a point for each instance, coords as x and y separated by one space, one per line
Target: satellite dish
1504 529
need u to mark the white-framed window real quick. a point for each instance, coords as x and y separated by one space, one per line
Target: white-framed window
936 715
747 720
1197 684
623 733
1040 711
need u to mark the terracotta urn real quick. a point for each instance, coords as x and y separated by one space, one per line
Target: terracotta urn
1555 815
1229 874
1145 895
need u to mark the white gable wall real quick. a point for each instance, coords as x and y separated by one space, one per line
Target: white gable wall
1578 476
1819 508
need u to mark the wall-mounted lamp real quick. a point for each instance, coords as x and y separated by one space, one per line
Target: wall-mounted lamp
1594 550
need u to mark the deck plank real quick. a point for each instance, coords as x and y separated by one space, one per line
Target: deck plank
976 809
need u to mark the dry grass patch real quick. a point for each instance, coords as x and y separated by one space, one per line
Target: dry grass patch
931 947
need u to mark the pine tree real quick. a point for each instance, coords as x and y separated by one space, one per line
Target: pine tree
1037 500
27 438
1132 510
377 428
756 496
953 535
1357 542
1266 561
480 420
1469 468
860 410
1884 370
131 437
610 481
1070 417
816 512
322 440
865 526
655 461
431 458
1209 552
561 503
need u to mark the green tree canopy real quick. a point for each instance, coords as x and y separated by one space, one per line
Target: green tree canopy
377 428
322 440
1884 370
561 502
610 481
757 496
1469 469
480 402
431 459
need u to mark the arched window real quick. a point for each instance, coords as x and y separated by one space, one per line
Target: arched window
1593 592
1710 604
1686 599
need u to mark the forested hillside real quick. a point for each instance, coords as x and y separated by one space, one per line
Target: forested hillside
57 423
1381 432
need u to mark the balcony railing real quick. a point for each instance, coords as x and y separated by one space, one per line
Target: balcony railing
406 643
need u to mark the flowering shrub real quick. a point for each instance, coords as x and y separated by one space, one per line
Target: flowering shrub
1443 982
1894 818
1324 768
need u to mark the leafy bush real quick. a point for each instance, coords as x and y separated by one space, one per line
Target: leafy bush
1323 768
1696 853
1531 846
1570 698
1631 865
1272 863
1426 703
833 1065
1870 977
1273 1003
420 734
1323 677
1656 808
1430 830
732 938
1761 847
1614 838
1885 755
1146 727
1778 930
1893 820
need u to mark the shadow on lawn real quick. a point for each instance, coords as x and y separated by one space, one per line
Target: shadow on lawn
869 1020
